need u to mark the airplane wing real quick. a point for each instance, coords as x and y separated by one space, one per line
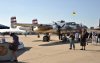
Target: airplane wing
24 25
28 25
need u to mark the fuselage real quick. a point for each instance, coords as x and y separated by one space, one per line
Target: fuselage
63 26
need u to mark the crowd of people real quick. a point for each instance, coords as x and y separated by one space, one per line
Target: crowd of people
81 37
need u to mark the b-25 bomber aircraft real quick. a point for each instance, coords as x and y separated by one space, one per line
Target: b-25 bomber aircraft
59 27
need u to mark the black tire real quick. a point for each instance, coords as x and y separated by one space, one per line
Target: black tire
45 39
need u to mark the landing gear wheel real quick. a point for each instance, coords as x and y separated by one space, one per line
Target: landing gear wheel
46 38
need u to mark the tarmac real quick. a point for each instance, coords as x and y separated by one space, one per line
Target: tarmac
37 51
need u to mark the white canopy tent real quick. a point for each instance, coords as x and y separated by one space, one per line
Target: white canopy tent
14 30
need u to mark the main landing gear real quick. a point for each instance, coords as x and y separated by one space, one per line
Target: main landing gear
46 38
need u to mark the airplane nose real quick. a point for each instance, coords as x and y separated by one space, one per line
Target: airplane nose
36 28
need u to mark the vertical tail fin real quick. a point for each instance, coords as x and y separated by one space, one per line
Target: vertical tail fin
13 21
34 21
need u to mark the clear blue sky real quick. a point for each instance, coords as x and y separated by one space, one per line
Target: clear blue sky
46 11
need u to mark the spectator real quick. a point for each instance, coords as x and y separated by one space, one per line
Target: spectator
72 37
83 39
14 44
77 37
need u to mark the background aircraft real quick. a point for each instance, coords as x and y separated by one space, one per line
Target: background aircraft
4 27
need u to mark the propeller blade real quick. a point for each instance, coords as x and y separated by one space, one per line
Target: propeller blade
63 25
56 24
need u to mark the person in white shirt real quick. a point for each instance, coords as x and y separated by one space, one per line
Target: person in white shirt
77 37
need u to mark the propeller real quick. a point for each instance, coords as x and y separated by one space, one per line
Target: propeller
63 25
58 26
59 29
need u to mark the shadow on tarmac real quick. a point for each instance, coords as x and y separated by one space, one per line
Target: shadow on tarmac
40 40
21 51
18 53
13 62
53 43
37 40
